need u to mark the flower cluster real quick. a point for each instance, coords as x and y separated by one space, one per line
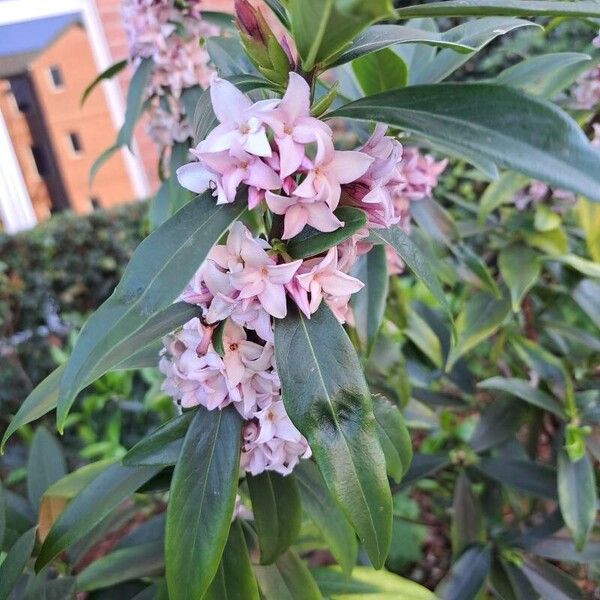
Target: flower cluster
586 93
169 34
286 160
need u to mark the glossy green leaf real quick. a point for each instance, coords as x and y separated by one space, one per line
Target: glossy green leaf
423 466
367 583
525 8
124 564
332 408
545 75
494 122
587 295
497 423
311 241
228 56
528 477
393 436
380 71
322 28
277 513
577 496
201 501
549 581
433 218
14 562
157 273
234 579
467 518
411 254
108 73
520 269
509 583
563 549
421 334
278 8
480 317
368 305
584 266
477 34
91 505
322 508
46 464
467 575
287 579
477 271
162 446
522 389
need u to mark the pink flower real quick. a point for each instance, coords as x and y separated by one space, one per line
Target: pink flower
325 279
294 127
274 422
241 122
241 355
300 212
330 170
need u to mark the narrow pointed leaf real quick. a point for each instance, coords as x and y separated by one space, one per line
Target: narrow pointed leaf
157 273
277 513
234 579
109 73
368 305
322 508
577 496
410 253
520 269
14 562
201 502
549 581
494 122
287 579
327 398
91 505
46 464
162 446
467 575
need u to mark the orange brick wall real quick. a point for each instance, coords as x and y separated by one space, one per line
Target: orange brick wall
71 52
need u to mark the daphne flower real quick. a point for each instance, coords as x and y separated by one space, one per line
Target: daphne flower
274 422
330 170
241 355
294 127
241 122
300 212
324 277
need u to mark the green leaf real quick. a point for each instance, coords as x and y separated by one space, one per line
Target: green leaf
378 37
477 34
46 464
333 410
584 266
525 8
549 581
498 422
563 549
393 436
499 192
368 305
158 271
40 401
367 583
162 446
577 496
220 19
326 514
278 9
42 588
467 519
277 513
14 562
2 517
467 575
287 579
423 466
124 564
480 317
520 269
380 71
529 477
234 579
545 75
411 254
421 334
311 241
522 389
109 73
477 269
322 28
509 583
201 501
90 506
228 56
493 122
436 221
135 100
587 293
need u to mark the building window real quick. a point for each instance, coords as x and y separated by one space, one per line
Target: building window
75 143
95 202
38 158
56 78
20 94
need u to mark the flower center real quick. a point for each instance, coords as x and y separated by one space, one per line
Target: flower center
263 271
244 128
233 346
288 130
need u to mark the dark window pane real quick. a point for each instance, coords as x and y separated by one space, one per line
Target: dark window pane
75 142
56 76
39 157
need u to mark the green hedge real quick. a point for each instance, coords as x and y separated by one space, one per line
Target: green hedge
50 277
